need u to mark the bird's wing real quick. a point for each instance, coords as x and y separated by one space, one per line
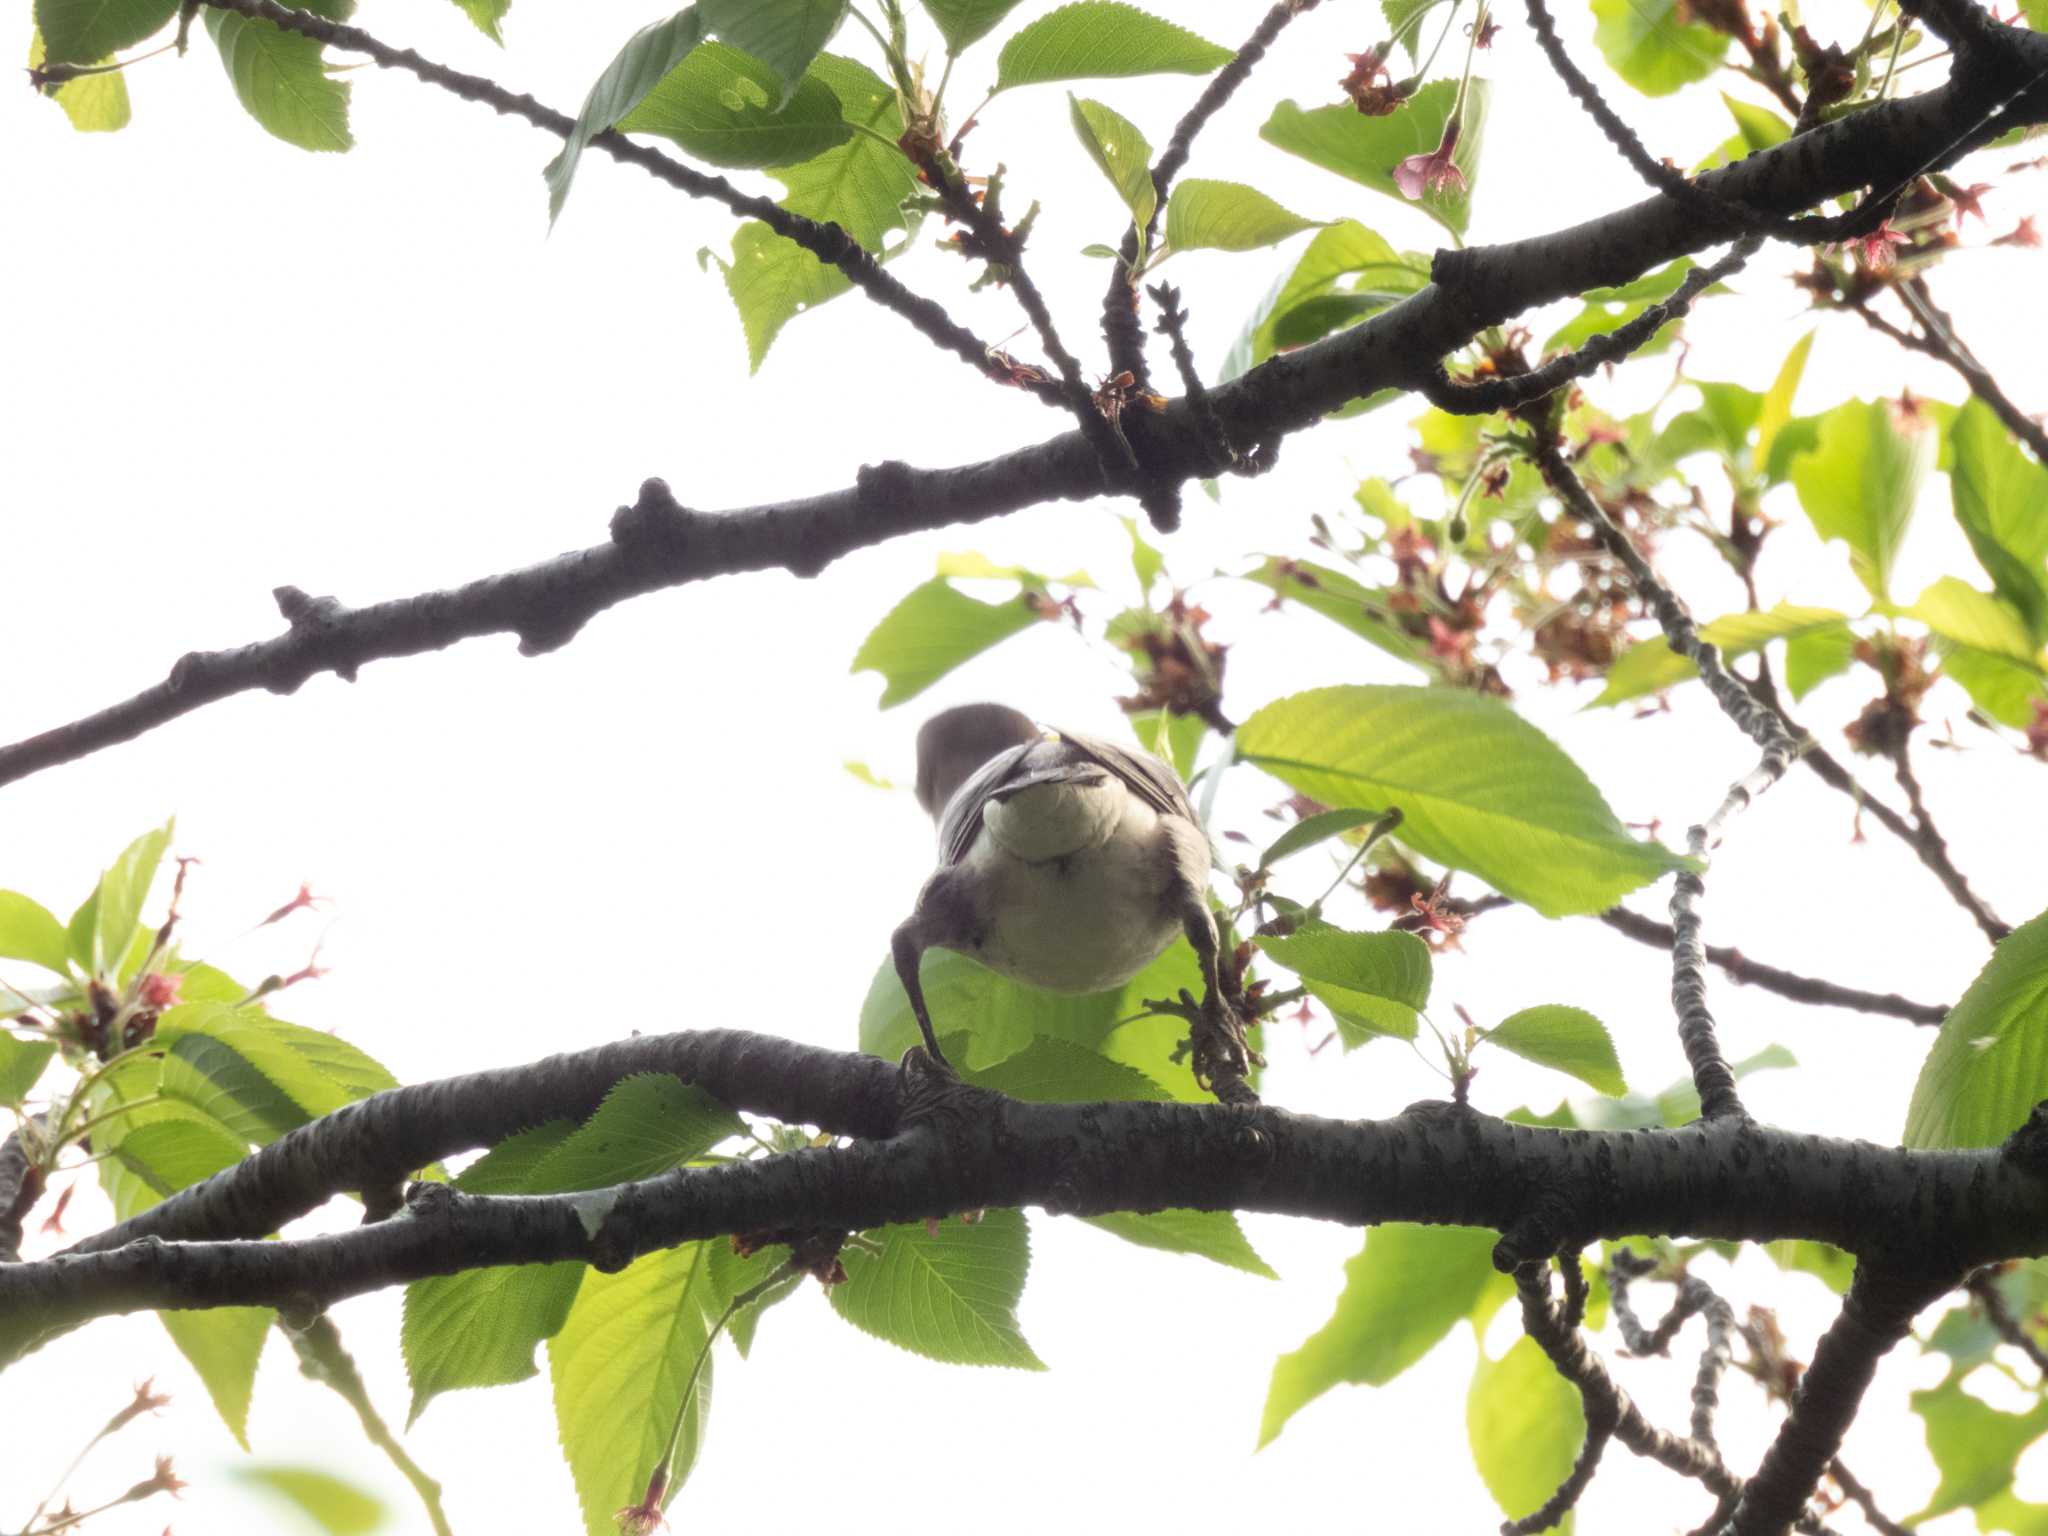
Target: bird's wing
1018 768
1143 774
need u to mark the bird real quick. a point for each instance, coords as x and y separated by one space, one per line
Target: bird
1065 862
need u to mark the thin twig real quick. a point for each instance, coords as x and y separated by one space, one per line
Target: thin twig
1984 1286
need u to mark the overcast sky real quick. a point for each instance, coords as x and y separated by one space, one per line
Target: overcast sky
234 365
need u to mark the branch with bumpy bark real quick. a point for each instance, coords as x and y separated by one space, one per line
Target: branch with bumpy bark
1875 1315
930 1146
659 544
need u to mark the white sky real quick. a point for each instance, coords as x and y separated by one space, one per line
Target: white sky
236 366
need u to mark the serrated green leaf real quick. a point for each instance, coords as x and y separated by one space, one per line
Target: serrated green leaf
30 931
1403 1292
1999 493
620 1366
646 59
485 15
1054 1071
1651 666
480 1328
1975 1447
995 1017
340 1508
860 185
949 1294
1311 830
934 629
1989 1064
1372 983
117 903
1958 612
1569 1039
94 103
1213 1235
728 108
1367 612
1119 152
1859 482
1651 45
1346 248
1102 39
1816 655
963 23
168 1155
21 1066
1228 216
2006 690
238 1066
282 81
1367 149
86 31
1776 412
785 35
1479 788
1525 1423
224 1346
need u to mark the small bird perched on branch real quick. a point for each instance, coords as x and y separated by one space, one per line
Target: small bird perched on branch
1065 862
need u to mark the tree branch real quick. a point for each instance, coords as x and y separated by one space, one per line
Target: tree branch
1984 1286
1937 339
545 603
1875 1315
940 1150
1744 971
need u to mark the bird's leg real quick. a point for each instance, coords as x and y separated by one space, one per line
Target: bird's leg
1222 1057
908 944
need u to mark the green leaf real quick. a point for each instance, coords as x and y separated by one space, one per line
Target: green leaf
1679 1104
30 931
641 65
997 1017
21 1066
1101 39
236 1065
1568 1039
117 903
485 15
1651 46
1989 1064
1776 412
282 81
223 1346
1146 562
1119 152
1347 247
480 1328
949 1294
1974 1445
1760 128
1479 789
94 103
337 1507
86 31
1999 493
1958 612
785 35
963 23
1834 1268
726 107
1403 17
1212 1235
1367 612
1651 666
1373 983
620 1366
1402 1293
860 185
1816 655
932 631
1054 1071
1228 216
2000 687
1525 1423
1309 831
1859 482
1367 149
168 1155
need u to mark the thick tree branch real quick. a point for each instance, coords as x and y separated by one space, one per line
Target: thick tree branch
1481 286
1744 971
953 1148
1875 1315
